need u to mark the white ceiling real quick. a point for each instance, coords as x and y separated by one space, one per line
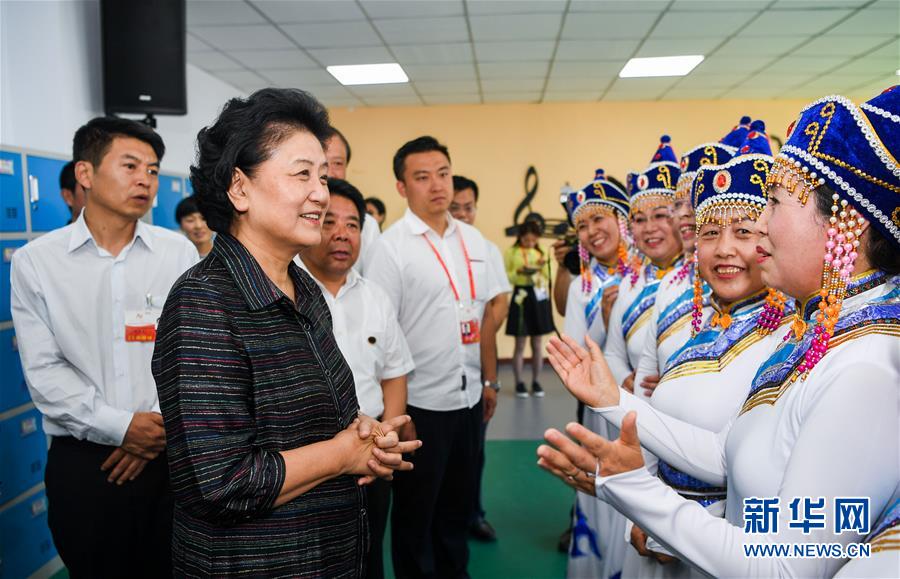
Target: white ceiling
481 51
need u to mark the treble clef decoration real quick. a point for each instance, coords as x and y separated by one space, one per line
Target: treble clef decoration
531 188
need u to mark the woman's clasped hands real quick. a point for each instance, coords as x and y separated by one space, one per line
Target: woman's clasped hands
373 449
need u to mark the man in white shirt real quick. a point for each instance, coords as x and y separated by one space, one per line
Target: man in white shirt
337 153
367 333
436 272
465 208
85 299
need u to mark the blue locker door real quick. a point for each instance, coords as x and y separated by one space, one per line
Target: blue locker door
188 187
27 543
13 390
6 251
48 209
12 204
24 449
171 191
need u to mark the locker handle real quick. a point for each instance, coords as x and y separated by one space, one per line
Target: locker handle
34 191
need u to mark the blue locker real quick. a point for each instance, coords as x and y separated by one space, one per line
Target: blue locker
12 202
188 187
23 446
6 251
48 209
13 390
171 191
27 543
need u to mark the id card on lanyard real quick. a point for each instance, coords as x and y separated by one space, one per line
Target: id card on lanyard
469 323
140 325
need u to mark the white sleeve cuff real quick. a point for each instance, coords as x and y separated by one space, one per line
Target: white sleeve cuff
110 426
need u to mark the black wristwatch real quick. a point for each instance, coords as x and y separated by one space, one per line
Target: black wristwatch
495 386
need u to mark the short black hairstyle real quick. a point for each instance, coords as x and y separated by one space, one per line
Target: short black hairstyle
67 176
419 145
244 136
461 183
344 189
93 140
378 203
185 207
333 131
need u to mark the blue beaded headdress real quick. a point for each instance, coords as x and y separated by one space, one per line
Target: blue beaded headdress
599 193
736 189
851 149
738 134
706 154
655 185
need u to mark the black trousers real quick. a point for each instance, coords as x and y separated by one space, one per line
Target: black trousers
478 507
432 502
378 501
102 529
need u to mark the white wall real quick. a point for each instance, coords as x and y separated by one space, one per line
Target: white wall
51 81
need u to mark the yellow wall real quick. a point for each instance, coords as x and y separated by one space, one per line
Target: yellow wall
495 144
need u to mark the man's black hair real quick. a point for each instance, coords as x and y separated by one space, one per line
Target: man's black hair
344 189
67 176
333 131
93 140
378 203
461 183
185 207
420 145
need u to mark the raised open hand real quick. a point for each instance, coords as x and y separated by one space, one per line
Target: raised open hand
584 373
577 466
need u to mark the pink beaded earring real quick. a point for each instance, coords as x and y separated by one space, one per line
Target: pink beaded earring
845 228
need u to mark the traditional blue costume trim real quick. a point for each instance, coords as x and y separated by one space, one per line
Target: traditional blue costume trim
689 487
645 300
640 306
606 279
680 308
713 343
884 312
889 519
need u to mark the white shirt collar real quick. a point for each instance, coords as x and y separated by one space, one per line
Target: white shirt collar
81 234
418 227
353 278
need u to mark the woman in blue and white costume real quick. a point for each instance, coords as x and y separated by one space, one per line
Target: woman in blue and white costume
706 381
599 213
822 414
670 321
653 230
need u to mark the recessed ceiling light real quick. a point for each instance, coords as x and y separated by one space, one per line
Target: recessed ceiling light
660 66
898 72
352 74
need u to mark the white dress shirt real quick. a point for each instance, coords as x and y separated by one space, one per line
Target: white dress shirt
70 300
369 234
403 263
367 333
498 267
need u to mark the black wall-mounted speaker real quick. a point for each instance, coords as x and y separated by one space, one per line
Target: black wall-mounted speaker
144 56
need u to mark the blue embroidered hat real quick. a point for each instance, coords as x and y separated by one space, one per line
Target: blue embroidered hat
655 185
664 151
736 189
757 140
851 149
600 194
737 134
705 154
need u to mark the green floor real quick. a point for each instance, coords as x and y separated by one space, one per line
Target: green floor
528 508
